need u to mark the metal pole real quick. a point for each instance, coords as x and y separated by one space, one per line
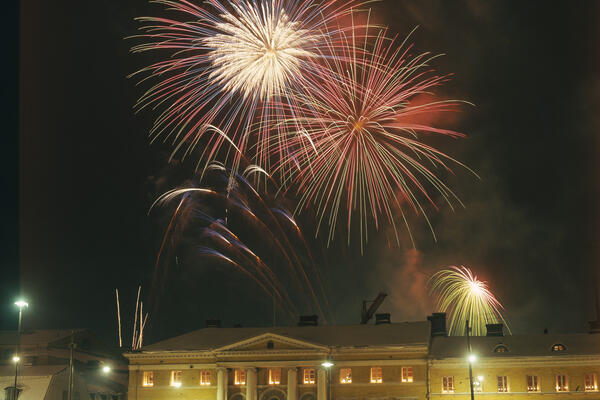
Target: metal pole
71 345
15 393
469 359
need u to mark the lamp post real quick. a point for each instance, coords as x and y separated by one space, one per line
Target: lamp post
21 304
471 359
328 363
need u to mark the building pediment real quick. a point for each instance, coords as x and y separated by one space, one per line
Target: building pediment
271 342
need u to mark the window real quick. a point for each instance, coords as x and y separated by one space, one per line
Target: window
345 375
407 374
239 377
501 349
376 376
477 385
562 384
503 384
448 384
533 383
274 376
591 383
309 376
558 347
205 377
176 378
148 379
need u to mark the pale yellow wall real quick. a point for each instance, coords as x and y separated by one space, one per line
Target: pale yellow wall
517 379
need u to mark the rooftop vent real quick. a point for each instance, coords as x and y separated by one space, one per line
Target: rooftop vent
494 330
213 323
308 320
383 318
438 324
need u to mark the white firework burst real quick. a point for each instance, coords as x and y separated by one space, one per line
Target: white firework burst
259 50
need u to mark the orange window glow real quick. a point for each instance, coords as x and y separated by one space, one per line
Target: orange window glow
376 375
239 377
274 376
205 377
407 374
345 375
308 376
148 380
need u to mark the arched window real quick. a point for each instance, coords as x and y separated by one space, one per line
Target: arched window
501 349
558 347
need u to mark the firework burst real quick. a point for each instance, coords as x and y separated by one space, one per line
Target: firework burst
229 64
232 224
359 151
464 297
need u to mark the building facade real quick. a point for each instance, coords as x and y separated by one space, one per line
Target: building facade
389 361
368 361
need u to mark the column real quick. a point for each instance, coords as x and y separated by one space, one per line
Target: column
321 384
222 383
251 388
292 383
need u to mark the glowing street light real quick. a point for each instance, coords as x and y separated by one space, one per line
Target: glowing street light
472 358
21 304
327 364
106 369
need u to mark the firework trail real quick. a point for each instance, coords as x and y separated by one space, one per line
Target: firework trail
228 64
359 152
214 210
462 296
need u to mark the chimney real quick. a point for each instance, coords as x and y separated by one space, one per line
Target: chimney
494 330
438 324
308 320
383 319
213 323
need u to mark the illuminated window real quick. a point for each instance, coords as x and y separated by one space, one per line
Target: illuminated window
448 384
309 376
176 378
148 379
376 376
533 383
346 375
239 377
477 385
558 347
274 376
591 383
562 385
205 377
407 374
501 349
503 384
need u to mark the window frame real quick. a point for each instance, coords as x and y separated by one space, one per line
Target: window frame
345 378
565 383
502 383
239 377
376 375
594 382
274 376
448 384
405 376
176 378
535 383
148 379
309 376
205 377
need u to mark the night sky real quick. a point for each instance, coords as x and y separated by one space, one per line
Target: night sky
80 175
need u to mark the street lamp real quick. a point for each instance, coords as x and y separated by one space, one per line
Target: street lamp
472 358
106 369
327 364
21 304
